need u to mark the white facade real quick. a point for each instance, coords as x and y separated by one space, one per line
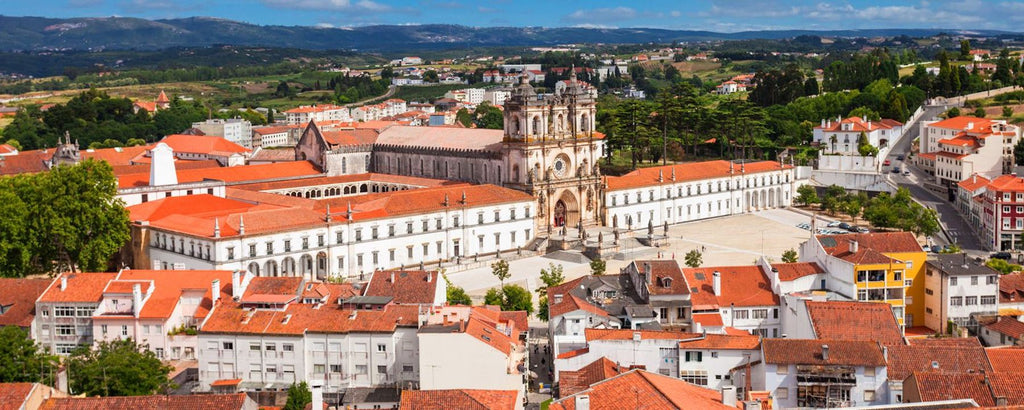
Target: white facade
497 96
236 130
842 136
277 138
356 248
781 382
317 113
955 289
461 361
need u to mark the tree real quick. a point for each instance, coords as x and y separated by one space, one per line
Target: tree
807 195
500 270
463 117
283 90
430 76
1003 266
811 86
1018 158
457 296
510 298
21 360
117 368
1007 111
552 276
980 112
789 256
542 308
298 397
965 49
597 267
488 116
694 259
953 112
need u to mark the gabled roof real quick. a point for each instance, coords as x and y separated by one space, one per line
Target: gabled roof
266 289
867 321
242 173
116 156
299 319
408 287
937 386
796 270
961 123
810 352
463 399
1008 326
973 183
858 124
18 300
168 286
745 341
641 389
202 144
234 401
14 395
26 161
592 334
666 277
904 359
741 286
475 139
689 172
571 382
872 248
1011 288
81 287
1007 183
356 137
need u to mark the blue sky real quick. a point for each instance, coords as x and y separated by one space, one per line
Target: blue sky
714 15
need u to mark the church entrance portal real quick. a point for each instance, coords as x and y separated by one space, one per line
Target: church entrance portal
560 214
566 211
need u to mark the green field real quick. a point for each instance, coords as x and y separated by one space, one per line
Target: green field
430 92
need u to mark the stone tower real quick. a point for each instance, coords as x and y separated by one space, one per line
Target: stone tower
552 152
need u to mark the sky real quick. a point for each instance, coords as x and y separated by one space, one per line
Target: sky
712 15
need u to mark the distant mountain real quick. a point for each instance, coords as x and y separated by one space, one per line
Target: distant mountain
38 33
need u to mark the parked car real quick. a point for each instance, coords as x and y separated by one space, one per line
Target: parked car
886 163
833 224
846 226
906 172
926 248
862 229
900 157
895 170
1001 255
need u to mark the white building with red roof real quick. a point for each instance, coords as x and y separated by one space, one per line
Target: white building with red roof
319 113
842 135
956 148
1002 215
730 87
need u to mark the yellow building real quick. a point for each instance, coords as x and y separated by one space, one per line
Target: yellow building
874 267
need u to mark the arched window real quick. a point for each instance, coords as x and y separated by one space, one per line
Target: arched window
535 127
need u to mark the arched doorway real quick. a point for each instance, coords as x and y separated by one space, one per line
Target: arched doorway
288 267
254 268
321 266
271 268
306 266
567 210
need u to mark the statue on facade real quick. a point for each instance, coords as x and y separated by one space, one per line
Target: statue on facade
615 232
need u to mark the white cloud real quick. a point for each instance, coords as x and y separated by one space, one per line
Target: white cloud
600 15
333 5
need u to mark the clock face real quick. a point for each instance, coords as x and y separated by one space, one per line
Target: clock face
561 165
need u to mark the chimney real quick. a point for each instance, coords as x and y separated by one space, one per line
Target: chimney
392 276
637 336
823 124
236 285
444 320
136 299
317 388
970 125
430 276
729 396
215 290
161 170
216 227
63 283
582 402
853 246
462 325
717 283
974 179
824 352
241 225
885 353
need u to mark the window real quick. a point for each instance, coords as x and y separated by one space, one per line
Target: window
869 395
228 346
252 251
391 230
255 346
382 369
741 314
341 236
663 313
65 330
124 330
361 369
406 369
782 369
270 245
288 347
335 368
974 281
869 371
956 301
694 356
63 311
760 313
497 216
698 377
680 313
319 368
988 300
990 280
782 393
382 347
971 300
231 253
287 245
373 232
271 347
320 240
359 235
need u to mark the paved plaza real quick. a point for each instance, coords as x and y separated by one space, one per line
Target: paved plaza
731 240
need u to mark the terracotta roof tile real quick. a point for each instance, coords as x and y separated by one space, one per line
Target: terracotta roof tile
1011 288
354 137
25 162
1009 183
14 395
168 286
741 286
793 271
574 353
463 399
641 389
859 125
202 144
871 247
904 360
937 386
199 401
572 382
298 319
973 183
116 156
961 122
1008 386
945 342
406 287
666 277
261 287
368 177
627 334
809 352
713 319
1006 359
855 321
1009 326
688 172
243 173
81 287
475 139
18 299
722 342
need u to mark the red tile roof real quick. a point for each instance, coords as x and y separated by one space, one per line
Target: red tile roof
641 389
1006 359
793 271
198 401
408 287
904 360
937 386
416 201
569 303
81 287
354 137
1008 385
666 277
225 382
859 125
688 172
243 173
1009 326
741 286
871 247
809 352
368 177
264 288
25 162
202 144
713 319
574 353
298 319
867 321
169 285
627 334
1011 288
722 342
572 382
973 183
14 395
463 399
1007 183
116 156
19 300
7 149
961 122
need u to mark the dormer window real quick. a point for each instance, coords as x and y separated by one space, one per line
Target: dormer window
666 282
558 298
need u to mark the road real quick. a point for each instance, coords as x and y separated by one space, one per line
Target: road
957 227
